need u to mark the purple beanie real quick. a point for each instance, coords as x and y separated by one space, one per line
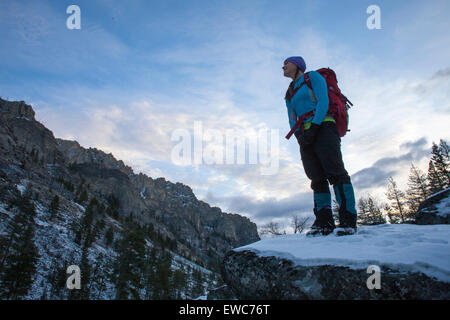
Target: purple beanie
298 61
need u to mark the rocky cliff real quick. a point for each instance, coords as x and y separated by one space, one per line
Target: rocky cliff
31 155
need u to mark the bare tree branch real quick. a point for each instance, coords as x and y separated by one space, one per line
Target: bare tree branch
271 228
299 223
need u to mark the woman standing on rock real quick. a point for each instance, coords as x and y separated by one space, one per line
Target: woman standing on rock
320 149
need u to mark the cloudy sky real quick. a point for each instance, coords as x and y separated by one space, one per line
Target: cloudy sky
141 77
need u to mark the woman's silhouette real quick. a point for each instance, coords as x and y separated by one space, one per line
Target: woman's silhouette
320 149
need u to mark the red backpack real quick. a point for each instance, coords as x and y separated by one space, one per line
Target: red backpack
337 109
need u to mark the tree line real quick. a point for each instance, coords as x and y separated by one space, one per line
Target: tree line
403 205
140 266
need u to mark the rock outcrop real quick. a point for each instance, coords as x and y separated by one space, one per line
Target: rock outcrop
251 276
408 261
435 209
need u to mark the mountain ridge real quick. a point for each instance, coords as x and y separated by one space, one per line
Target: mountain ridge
31 157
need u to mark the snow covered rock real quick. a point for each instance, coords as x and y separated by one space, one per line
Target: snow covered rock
413 261
435 209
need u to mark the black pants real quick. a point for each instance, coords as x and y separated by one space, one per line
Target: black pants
323 163
322 160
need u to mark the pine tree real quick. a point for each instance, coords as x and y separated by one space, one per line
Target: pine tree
54 206
163 288
363 211
86 233
397 198
20 266
443 165
445 149
179 282
442 162
102 273
417 190
435 183
85 268
376 216
439 167
113 208
109 236
150 274
57 278
69 186
370 212
197 280
131 264
83 196
19 255
393 218
44 295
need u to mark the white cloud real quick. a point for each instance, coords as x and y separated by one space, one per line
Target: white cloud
235 81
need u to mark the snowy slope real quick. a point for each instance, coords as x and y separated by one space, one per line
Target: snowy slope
56 246
403 247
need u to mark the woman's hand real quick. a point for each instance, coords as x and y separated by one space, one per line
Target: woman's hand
307 138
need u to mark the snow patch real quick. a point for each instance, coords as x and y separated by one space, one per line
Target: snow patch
404 247
21 188
435 194
181 261
83 209
24 118
443 207
142 193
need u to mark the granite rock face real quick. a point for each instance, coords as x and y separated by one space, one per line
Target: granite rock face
251 276
29 153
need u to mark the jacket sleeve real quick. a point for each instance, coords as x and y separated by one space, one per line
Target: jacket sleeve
319 87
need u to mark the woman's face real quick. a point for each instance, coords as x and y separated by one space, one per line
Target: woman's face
289 69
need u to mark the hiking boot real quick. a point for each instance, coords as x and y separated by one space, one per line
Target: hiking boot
319 231
344 231
345 197
324 223
347 224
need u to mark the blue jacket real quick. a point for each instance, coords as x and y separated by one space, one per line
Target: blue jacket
304 100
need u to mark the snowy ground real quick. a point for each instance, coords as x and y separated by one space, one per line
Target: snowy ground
404 247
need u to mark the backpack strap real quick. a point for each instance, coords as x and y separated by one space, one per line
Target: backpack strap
307 80
312 95
291 93
300 120
298 124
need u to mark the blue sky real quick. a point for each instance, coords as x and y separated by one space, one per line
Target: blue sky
138 70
